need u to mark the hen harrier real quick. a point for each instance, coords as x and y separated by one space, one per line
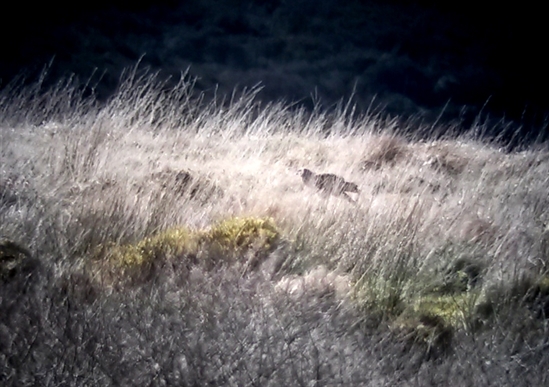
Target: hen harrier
329 183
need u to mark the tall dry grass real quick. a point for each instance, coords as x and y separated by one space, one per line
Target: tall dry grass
416 282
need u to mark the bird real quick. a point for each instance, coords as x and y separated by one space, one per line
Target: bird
328 183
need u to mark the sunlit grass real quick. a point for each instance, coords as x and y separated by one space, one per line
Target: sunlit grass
446 237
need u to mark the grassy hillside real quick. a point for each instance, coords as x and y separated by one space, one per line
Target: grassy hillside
157 240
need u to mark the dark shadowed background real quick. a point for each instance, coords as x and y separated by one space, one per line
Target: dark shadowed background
449 61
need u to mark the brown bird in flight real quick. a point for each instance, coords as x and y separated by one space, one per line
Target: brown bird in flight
329 183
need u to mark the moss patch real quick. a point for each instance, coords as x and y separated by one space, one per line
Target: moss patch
451 310
223 243
424 309
238 234
168 244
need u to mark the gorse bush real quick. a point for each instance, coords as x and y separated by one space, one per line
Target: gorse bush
159 239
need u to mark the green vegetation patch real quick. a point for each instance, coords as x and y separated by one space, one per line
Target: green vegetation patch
380 298
460 276
238 234
425 309
398 302
167 244
451 310
223 243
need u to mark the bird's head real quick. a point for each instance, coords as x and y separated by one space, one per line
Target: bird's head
306 174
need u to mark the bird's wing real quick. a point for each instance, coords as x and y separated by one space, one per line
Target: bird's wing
330 182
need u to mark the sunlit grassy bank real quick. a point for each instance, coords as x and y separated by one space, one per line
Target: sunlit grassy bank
158 240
